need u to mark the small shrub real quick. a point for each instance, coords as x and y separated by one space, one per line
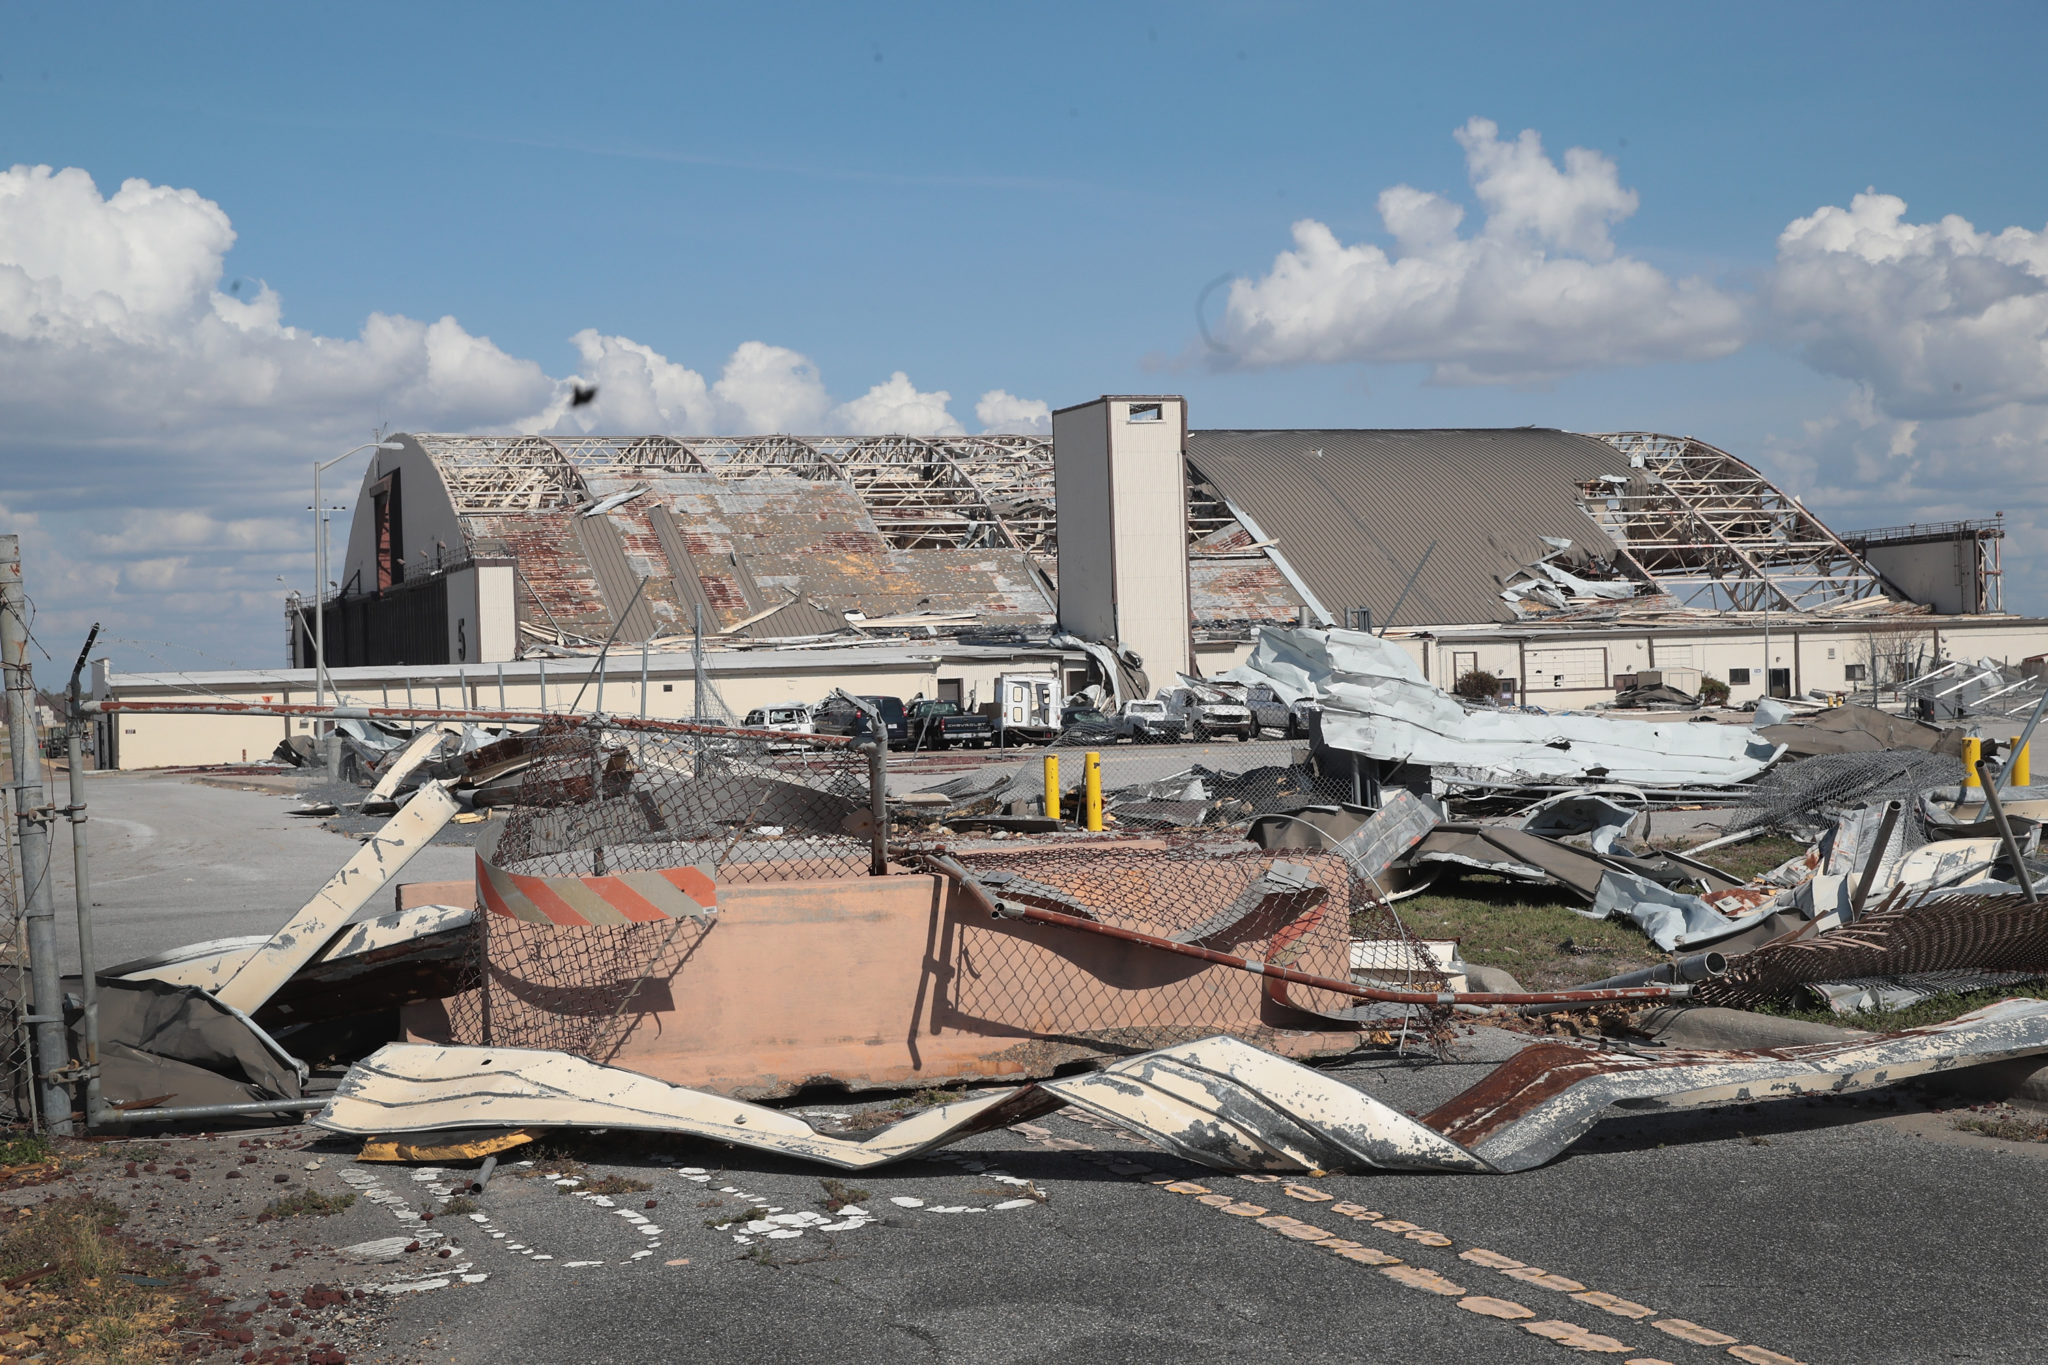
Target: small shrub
306 1204
29 1149
1713 692
616 1184
459 1205
839 1194
728 1220
1477 685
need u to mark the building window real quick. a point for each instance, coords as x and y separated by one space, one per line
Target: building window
1831 651
1853 672
1148 412
668 687
1738 677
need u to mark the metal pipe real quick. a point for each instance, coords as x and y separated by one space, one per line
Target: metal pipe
878 805
1052 786
45 1016
483 1175
1693 968
2012 845
1091 792
979 895
1884 839
643 680
212 1111
81 887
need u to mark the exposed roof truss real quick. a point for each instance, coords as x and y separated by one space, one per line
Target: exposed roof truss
924 492
1716 534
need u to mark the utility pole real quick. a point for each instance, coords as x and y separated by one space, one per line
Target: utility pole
46 1012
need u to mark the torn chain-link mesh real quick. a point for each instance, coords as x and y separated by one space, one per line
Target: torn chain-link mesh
605 797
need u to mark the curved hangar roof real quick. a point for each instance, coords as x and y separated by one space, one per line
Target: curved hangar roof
1353 512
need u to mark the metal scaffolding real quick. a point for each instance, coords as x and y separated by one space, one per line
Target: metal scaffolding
924 492
1714 533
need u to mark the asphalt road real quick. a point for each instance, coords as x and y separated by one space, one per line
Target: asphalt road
176 861
1818 1232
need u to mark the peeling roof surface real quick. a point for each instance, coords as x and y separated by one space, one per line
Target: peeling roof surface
746 547
1354 511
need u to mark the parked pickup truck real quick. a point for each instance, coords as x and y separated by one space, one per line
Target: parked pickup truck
1208 719
837 716
943 725
1150 722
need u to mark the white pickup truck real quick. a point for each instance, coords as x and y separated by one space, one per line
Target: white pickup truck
1208 719
1150 722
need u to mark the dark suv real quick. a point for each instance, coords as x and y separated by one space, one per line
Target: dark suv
838 716
942 725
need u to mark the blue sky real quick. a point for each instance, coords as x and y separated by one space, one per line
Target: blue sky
1025 199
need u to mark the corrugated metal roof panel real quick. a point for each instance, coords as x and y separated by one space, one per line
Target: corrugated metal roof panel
605 550
1240 590
1353 511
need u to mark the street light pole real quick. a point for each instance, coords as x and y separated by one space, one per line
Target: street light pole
320 564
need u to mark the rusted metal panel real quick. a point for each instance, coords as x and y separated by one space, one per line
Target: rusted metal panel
625 602
1913 932
368 872
1237 590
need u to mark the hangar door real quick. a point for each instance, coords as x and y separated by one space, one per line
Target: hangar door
1552 670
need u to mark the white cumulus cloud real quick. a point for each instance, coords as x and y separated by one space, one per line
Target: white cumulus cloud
1938 319
1001 411
160 418
1536 292
896 405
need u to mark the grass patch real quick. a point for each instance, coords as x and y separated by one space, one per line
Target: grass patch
75 1294
2008 1126
306 1204
839 1194
616 1184
1752 857
28 1149
1533 932
459 1205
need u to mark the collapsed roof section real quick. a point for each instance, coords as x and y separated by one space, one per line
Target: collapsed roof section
923 492
762 538
1716 534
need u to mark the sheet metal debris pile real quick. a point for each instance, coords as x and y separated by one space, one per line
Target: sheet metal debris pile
1217 1101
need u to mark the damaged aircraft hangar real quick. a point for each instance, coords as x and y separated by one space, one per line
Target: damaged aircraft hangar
976 569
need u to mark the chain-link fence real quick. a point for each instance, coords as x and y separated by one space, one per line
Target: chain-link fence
1183 787
607 799
560 966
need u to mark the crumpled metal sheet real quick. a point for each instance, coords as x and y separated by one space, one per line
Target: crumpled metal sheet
1219 1102
1376 702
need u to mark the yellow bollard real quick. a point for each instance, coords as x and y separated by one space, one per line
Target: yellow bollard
1973 749
2022 768
1091 800
1052 786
